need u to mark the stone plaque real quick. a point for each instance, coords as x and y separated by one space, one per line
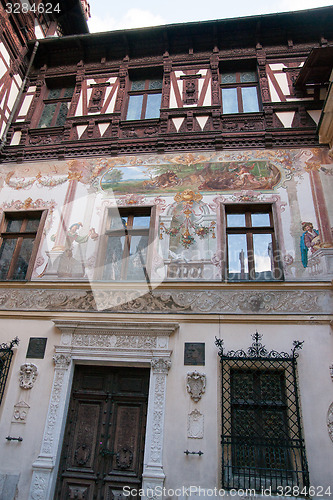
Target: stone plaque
194 353
36 348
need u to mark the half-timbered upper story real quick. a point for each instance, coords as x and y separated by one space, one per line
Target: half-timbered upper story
226 84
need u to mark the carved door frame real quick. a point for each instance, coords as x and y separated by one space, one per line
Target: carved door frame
105 343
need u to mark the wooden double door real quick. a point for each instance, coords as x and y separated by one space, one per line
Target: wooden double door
104 436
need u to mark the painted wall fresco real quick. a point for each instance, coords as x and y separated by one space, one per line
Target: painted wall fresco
187 189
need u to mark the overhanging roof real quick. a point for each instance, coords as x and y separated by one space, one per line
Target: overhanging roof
317 68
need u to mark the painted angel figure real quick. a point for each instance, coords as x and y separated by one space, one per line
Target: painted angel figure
310 240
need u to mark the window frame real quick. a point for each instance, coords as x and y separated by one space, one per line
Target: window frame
58 101
238 85
291 447
248 209
145 93
25 216
130 211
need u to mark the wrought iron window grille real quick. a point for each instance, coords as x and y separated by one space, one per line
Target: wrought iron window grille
6 354
262 443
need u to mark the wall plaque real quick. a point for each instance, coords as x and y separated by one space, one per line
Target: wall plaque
36 348
194 353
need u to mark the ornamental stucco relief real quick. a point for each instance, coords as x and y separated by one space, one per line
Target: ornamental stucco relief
196 385
330 421
170 301
28 375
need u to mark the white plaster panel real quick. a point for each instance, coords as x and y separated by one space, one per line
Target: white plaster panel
5 54
111 106
286 117
179 73
89 92
315 115
102 128
112 80
283 82
173 101
90 81
26 105
208 97
80 129
202 120
16 139
274 94
178 122
2 127
277 66
38 32
79 110
32 88
3 68
12 96
202 72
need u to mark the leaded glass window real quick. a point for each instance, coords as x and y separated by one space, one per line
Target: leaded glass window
144 99
19 238
262 441
239 92
56 106
127 238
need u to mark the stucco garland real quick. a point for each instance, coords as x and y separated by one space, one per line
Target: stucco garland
169 301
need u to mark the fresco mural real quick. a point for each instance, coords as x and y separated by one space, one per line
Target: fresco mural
186 189
205 176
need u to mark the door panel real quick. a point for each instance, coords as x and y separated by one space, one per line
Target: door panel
104 436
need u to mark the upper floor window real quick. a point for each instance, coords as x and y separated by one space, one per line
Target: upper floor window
127 235
6 354
144 99
56 106
239 92
251 243
20 235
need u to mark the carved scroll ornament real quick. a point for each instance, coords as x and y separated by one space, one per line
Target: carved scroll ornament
196 385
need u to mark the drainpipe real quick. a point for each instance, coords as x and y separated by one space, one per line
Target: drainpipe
18 98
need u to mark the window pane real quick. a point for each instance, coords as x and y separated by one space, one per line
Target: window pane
155 84
229 100
237 256
260 220
138 85
153 105
54 94
32 225
14 226
247 77
137 259
263 256
141 221
250 99
6 254
114 258
69 92
47 115
22 263
236 220
134 107
61 118
228 78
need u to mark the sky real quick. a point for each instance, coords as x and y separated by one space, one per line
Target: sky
109 15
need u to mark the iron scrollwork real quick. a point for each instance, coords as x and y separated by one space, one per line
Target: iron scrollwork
258 350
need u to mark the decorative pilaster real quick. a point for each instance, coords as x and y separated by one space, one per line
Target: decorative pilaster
41 485
153 474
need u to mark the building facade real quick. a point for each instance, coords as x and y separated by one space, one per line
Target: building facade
166 260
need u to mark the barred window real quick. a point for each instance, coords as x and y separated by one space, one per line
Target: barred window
262 444
6 354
